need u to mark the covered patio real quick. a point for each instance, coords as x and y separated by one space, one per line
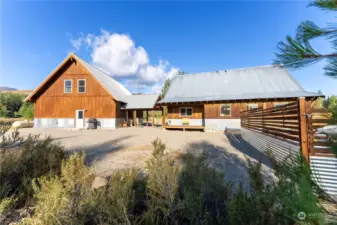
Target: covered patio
142 110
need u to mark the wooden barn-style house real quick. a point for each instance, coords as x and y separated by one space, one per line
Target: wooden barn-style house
214 100
77 91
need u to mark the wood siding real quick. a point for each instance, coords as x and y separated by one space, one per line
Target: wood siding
174 111
212 111
52 102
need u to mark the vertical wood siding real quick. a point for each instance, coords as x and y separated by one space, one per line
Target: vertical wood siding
174 111
212 111
52 102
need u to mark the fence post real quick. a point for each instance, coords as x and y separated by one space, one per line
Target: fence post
303 128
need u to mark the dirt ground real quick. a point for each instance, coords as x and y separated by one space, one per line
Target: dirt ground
108 150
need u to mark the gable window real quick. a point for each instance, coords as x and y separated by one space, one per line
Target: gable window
186 111
68 86
81 86
225 110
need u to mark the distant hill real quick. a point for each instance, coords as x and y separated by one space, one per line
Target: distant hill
7 89
14 90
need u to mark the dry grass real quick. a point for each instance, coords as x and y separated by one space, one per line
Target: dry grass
2 119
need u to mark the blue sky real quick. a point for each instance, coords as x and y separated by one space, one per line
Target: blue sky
149 41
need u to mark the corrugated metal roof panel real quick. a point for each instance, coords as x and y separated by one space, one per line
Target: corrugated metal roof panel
115 88
140 101
272 81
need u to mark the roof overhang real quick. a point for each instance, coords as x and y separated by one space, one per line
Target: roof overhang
236 100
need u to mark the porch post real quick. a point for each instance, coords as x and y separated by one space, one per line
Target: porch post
303 128
153 118
147 118
134 117
127 117
163 116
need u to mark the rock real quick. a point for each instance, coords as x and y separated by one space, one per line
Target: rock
99 182
22 123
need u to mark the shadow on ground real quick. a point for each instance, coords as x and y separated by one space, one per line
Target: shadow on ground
243 146
234 167
98 152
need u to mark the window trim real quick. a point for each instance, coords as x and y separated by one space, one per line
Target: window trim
186 111
85 86
64 86
230 109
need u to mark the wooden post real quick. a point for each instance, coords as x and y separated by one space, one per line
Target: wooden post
127 117
153 118
303 128
163 117
147 118
134 118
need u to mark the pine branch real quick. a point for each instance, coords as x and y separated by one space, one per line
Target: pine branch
308 30
331 68
295 53
325 4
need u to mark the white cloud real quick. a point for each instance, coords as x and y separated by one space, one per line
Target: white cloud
118 55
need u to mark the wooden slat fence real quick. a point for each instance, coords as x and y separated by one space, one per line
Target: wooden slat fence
281 122
289 129
319 144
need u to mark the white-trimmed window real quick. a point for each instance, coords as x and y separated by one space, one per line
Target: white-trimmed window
225 109
68 86
81 86
186 111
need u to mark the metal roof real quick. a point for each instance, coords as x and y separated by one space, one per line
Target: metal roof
115 88
264 82
140 101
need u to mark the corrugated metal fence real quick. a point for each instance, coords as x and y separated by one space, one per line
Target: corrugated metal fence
278 130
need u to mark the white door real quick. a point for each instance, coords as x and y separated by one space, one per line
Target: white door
79 118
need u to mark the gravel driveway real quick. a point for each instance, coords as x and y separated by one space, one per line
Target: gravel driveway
108 150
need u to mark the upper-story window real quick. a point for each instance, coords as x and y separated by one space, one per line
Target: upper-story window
225 109
68 86
81 86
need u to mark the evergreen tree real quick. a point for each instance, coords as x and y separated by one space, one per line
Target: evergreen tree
167 85
297 52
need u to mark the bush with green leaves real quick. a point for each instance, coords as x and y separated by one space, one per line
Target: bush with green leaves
11 102
27 110
176 191
22 160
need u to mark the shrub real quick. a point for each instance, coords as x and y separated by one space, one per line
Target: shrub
171 192
27 110
12 102
24 159
114 204
3 111
61 199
